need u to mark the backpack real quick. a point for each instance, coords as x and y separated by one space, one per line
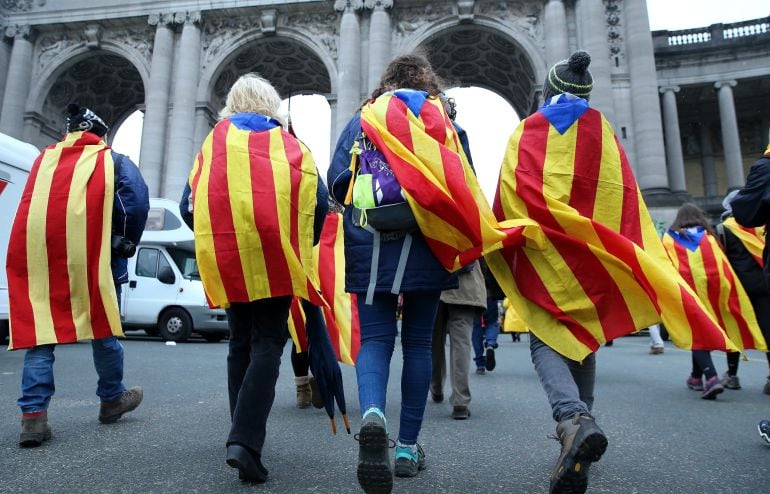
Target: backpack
378 200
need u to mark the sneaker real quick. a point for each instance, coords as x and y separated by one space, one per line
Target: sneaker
764 430
731 382
410 459
766 389
656 350
712 388
374 473
249 465
304 395
582 442
482 371
490 363
460 412
111 411
315 395
695 383
34 431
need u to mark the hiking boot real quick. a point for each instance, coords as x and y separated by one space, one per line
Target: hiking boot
374 473
491 363
731 382
764 430
249 465
582 442
315 395
111 411
410 459
712 388
460 412
695 383
482 371
304 395
766 389
34 431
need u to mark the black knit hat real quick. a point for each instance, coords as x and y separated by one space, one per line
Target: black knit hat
81 118
570 76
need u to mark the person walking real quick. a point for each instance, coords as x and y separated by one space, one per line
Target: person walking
256 206
457 310
486 327
82 212
656 342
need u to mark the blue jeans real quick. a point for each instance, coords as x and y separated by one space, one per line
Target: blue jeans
378 336
568 384
37 383
486 336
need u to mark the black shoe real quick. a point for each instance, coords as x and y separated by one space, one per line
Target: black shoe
460 412
249 466
437 397
374 473
491 363
582 443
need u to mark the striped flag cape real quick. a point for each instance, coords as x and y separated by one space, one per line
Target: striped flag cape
603 272
512 322
253 198
423 149
751 238
341 313
60 284
700 260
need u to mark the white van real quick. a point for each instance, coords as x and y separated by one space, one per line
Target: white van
16 159
164 294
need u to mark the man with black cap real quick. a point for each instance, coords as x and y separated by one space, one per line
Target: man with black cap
82 212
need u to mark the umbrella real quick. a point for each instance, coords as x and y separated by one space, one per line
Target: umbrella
324 365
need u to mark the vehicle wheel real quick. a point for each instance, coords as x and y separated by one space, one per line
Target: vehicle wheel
213 337
175 325
151 331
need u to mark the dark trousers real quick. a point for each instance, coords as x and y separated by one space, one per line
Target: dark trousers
258 333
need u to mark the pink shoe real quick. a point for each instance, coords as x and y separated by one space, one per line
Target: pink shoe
695 383
712 388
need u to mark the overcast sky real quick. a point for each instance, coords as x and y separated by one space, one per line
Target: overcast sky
487 118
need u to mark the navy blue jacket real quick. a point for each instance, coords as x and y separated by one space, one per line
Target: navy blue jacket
423 271
751 206
129 211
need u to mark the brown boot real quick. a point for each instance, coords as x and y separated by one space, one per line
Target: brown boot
304 393
34 430
111 411
582 443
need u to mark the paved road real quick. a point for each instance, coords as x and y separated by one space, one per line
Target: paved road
662 437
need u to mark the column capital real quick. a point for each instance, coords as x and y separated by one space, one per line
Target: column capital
378 4
343 5
187 17
729 83
161 19
666 89
23 31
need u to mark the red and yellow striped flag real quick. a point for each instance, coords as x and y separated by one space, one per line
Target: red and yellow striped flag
423 149
512 322
751 238
60 284
253 196
603 272
341 315
706 269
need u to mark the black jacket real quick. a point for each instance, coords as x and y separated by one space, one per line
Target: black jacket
751 206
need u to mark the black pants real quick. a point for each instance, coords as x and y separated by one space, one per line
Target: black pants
258 333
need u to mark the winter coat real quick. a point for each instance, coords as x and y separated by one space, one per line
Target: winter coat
743 263
471 291
751 206
129 211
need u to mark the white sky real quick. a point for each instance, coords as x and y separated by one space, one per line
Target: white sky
487 118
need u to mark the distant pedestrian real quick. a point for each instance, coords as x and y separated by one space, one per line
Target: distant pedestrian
486 327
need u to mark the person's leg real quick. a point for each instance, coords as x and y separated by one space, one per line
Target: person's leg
557 380
712 385
477 339
492 324
300 364
730 378
37 388
108 361
239 320
656 342
459 328
584 374
438 354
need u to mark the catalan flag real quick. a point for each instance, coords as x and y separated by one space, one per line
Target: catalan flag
341 314
60 284
700 260
512 322
253 196
751 238
423 149
603 271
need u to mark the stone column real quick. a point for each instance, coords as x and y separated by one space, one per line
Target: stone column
5 60
182 128
379 40
593 23
349 82
556 42
152 155
731 142
707 162
674 156
18 81
648 132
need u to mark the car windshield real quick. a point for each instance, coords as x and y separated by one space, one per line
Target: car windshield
185 261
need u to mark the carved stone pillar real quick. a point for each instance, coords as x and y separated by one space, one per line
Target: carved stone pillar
156 103
556 42
5 60
648 134
379 39
593 23
674 157
180 153
707 162
731 142
18 81
349 83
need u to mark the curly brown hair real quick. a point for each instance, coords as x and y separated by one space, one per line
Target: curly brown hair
409 71
690 215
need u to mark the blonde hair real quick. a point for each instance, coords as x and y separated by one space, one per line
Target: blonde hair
251 93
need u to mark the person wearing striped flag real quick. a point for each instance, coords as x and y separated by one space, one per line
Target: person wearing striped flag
81 215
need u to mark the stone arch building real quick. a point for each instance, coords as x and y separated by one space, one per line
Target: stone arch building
175 60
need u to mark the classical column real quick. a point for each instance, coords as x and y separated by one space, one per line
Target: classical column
707 162
18 82
674 156
349 82
556 42
594 33
182 128
5 59
648 134
156 103
379 39
730 141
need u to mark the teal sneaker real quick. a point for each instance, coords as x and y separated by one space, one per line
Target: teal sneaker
410 459
374 473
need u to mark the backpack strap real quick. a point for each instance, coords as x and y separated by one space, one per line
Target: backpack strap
374 266
399 276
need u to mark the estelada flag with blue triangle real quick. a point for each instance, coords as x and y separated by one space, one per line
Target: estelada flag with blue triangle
602 272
